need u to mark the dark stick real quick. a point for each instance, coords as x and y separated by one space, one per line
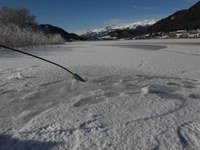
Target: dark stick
76 76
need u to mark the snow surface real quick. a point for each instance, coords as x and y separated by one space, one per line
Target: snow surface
138 95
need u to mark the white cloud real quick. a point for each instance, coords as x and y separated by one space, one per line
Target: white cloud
114 22
134 6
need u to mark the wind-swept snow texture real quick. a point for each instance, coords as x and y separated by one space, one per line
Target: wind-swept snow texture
138 95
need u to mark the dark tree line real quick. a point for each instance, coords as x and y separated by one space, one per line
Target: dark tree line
20 16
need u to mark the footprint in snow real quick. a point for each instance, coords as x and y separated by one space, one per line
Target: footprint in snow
116 85
92 97
162 91
189 135
194 96
19 75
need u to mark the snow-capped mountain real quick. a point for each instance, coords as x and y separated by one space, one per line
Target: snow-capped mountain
133 25
104 32
97 30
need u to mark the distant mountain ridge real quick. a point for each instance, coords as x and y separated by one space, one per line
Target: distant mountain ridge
188 19
133 25
109 30
183 23
50 29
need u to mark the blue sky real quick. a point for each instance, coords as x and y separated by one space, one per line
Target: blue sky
80 15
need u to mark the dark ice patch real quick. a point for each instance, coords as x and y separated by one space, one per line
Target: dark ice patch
142 47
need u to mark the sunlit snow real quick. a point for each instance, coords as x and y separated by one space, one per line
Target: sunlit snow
142 94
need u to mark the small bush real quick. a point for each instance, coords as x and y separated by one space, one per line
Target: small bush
18 28
15 36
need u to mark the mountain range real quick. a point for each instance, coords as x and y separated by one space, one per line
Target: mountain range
187 19
97 34
50 29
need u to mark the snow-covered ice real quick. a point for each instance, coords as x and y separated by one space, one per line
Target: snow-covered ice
142 94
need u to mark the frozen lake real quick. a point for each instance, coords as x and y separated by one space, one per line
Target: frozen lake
140 94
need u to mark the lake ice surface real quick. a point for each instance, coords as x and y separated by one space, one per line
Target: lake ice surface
142 94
